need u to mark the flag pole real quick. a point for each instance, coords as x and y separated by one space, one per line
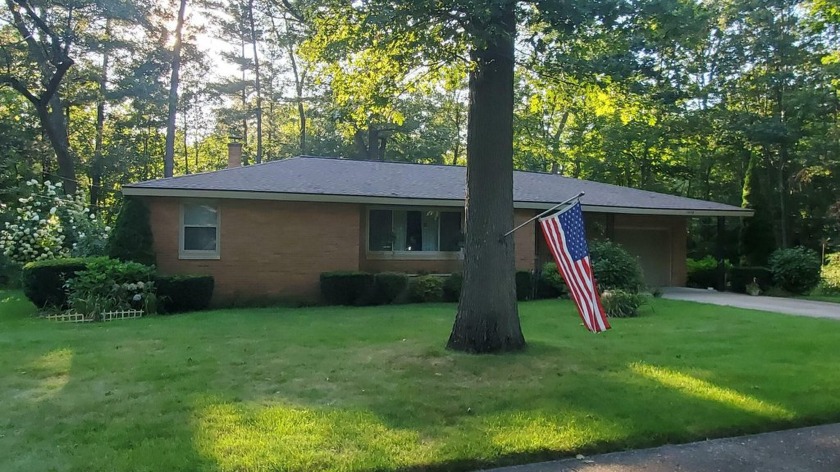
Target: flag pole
564 202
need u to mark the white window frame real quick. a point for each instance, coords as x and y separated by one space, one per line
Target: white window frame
410 255
193 254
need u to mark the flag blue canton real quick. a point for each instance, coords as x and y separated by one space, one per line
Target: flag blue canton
571 221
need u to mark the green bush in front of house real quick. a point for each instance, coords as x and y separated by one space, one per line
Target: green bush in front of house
550 283
702 273
109 284
183 293
795 270
43 281
389 287
452 287
347 287
131 238
425 289
615 268
621 304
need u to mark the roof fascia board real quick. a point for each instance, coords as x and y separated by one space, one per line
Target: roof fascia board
370 200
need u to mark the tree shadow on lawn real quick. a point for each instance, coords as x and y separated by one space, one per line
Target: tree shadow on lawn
157 394
458 412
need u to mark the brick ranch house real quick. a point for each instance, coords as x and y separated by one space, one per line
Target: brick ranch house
269 230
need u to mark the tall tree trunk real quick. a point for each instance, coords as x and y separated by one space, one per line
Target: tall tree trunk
257 87
169 152
244 111
97 164
185 144
52 119
299 98
488 318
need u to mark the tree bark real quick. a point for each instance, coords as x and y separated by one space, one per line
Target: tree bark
97 164
52 121
488 320
257 86
169 152
299 98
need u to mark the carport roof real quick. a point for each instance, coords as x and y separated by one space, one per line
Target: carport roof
308 178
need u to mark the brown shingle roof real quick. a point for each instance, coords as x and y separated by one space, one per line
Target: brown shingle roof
332 179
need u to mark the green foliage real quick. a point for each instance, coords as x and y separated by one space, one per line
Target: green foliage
425 289
615 268
452 287
347 287
550 283
524 285
741 277
183 293
702 273
389 286
43 281
9 273
830 275
110 284
131 239
796 270
620 303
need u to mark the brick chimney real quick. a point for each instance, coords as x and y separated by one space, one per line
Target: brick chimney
234 155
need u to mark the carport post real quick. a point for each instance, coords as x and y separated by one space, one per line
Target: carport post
721 267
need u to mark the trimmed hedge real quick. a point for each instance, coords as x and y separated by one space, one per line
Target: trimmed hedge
181 293
43 281
347 287
740 277
389 286
524 285
702 273
452 287
425 289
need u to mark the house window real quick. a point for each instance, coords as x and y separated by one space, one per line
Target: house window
199 231
414 231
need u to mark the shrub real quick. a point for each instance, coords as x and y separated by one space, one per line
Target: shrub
550 283
524 285
702 273
389 286
615 268
620 303
43 281
109 284
131 239
49 225
181 293
740 277
796 270
347 287
425 289
9 273
830 275
452 288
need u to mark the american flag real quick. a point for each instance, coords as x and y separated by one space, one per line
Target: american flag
566 238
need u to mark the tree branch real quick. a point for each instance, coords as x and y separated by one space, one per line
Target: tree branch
20 88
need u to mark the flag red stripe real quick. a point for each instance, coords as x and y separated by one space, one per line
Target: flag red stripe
554 246
578 275
571 276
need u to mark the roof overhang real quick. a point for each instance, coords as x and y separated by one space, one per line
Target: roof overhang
376 200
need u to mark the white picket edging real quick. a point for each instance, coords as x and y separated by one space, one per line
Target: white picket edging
104 316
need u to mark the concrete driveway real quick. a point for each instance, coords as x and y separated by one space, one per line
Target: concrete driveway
814 449
789 306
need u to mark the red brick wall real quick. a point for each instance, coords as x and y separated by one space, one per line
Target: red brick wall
268 248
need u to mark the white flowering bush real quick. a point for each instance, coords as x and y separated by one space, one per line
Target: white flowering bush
108 285
49 225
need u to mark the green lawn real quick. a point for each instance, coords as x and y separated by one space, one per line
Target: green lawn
373 389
